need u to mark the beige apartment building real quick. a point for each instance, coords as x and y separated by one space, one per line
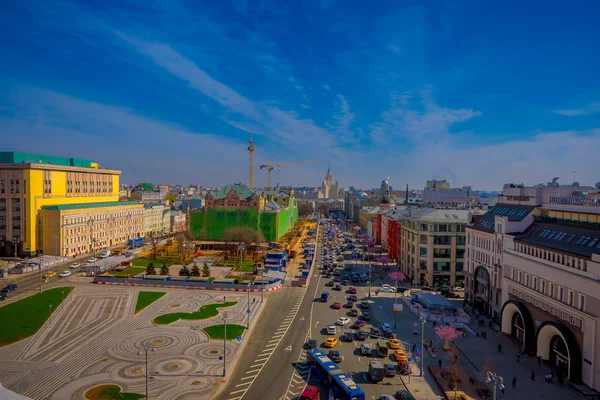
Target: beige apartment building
72 229
551 280
157 220
433 246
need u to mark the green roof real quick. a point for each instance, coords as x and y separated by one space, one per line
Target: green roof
11 157
63 207
243 191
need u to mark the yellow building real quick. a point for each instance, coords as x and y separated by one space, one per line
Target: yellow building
29 182
73 229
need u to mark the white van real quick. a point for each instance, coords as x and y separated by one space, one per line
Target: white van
105 254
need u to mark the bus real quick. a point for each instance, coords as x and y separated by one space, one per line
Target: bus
135 242
344 388
322 366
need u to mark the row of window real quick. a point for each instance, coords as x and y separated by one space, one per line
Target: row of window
95 218
12 186
552 256
232 214
550 289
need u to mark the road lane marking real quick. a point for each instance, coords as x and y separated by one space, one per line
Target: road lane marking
237 391
257 365
252 371
247 377
242 384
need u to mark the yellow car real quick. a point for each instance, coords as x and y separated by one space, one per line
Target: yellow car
331 342
49 274
394 344
399 355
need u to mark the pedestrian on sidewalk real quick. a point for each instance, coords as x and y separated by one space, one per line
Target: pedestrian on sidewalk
440 363
518 357
533 375
499 348
514 382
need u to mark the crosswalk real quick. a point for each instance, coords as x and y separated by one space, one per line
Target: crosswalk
240 389
299 378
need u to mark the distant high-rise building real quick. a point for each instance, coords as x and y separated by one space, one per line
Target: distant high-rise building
329 189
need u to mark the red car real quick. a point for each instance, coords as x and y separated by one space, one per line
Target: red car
336 306
352 290
359 324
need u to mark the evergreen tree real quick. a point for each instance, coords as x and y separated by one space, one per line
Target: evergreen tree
184 271
150 269
206 270
195 271
164 270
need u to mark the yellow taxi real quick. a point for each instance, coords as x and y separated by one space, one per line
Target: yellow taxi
49 274
394 344
331 342
399 355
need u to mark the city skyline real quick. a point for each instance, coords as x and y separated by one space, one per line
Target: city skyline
172 92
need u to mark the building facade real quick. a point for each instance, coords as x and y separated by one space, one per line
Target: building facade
551 277
179 222
28 182
72 229
440 194
157 220
149 196
433 246
329 189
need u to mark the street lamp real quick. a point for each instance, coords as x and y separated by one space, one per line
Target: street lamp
224 318
422 319
16 243
248 311
496 380
145 349
241 252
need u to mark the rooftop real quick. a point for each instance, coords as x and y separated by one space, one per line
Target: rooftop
243 191
514 212
569 239
11 157
64 207
436 215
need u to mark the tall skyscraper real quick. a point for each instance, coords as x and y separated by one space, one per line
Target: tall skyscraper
329 189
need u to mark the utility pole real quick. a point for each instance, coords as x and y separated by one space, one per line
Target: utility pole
422 346
370 278
145 349
16 242
224 318
248 310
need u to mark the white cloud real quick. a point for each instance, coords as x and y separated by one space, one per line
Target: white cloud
326 87
305 106
591 108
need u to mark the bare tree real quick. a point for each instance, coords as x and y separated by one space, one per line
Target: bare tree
243 236
181 244
324 209
154 242
304 209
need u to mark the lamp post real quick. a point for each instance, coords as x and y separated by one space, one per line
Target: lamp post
224 318
241 252
370 278
145 349
248 310
94 242
16 243
422 319
496 380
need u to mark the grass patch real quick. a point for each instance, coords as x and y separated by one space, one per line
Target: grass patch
146 298
110 392
247 265
132 271
25 317
218 331
207 311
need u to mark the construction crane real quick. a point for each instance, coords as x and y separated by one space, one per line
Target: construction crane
251 149
269 166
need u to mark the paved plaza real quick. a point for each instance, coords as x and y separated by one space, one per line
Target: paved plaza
94 338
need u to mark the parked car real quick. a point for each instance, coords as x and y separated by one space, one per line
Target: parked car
337 287
3 296
348 336
335 356
64 274
361 335
342 321
364 304
331 330
353 312
359 324
366 316
331 342
9 288
353 297
404 395
353 290
365 349
390 370
375 331
336 306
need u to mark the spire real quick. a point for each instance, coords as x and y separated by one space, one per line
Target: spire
406 195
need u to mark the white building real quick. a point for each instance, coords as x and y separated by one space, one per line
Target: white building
329 189
157 220
440 194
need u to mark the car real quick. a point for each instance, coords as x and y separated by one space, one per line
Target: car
9 288
330 284
331 330
390 370
353 290
50 274
353 312
331 342
3 296
74 266
359 324
335 356
386 397
324 272
361 335
364 304
375 331
128 254
366 316
337 279
336 306
64 274
365 349
354 279
91 260
342 321
337 274
394 344
338 287
348 336
400 355
353 298
310 344
328 275
404 395
386 290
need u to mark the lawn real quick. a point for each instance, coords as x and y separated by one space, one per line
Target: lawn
218 331
25 317
146 298
110 392
247 265
207 311
159 261
132 271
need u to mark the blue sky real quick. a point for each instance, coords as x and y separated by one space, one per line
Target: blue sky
170 91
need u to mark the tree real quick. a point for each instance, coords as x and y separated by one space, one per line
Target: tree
205 270
164 270
305 209
154 241
184 271
242 235
448 333
324 209
195 270
150 269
